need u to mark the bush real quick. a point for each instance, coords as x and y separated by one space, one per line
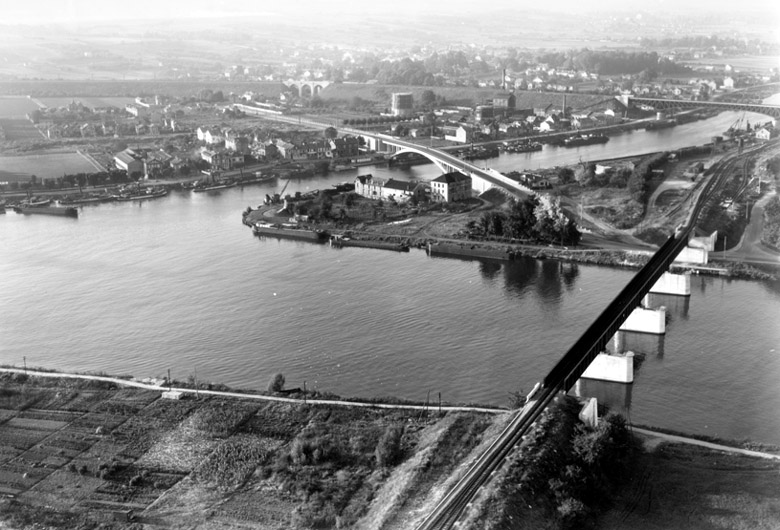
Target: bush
277 383
388 451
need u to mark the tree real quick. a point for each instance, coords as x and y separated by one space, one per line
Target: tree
276 384
566 175
552 224
330 133
428 99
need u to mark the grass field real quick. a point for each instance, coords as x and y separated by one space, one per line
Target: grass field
682 486
16 107
19 130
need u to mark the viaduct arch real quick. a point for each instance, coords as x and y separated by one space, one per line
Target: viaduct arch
306 89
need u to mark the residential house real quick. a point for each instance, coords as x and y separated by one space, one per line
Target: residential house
287 150
218 160
463 134
765 133
213 137
314 149
449 187
551 123
532 180
236 142
345 147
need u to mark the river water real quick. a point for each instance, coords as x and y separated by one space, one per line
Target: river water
179 283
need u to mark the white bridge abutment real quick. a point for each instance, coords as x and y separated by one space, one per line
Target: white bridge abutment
479 184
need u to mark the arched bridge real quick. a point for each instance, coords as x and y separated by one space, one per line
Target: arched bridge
306 89
663 104
448 163
443 165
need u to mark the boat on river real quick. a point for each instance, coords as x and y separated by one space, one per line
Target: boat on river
214 187
588 139
660 124
62 211
523 147
148 194
66 201
289 231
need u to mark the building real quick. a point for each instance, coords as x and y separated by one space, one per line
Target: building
503 104
398 190
288 150
127 160
483 113
236 142
345 147
765 133
403 104
462 134
450 187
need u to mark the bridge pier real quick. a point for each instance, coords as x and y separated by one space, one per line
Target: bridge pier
616 396
479 184
694 255
639 343
608 367
644 320
669 283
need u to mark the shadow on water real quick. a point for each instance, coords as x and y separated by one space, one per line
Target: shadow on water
548 276
490 270
640 343
676 306
615 396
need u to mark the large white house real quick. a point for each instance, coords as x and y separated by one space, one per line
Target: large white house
449 187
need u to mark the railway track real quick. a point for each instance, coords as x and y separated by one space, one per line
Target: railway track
571 366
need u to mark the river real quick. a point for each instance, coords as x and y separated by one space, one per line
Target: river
179 283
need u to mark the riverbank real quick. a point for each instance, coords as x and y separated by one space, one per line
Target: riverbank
84 451
90 451
393 234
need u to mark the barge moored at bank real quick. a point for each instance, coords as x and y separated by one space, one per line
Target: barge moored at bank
289 231
62 211
340 241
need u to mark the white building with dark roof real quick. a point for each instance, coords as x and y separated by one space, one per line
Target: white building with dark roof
450 187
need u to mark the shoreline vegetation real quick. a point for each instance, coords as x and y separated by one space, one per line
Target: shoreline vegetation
81 451
315 397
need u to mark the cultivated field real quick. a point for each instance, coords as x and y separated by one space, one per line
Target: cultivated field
85 453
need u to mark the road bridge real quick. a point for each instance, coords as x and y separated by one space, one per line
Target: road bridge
482 177
664 104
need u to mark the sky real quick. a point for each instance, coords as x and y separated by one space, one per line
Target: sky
58 11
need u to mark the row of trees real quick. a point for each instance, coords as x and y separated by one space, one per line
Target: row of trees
537 218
